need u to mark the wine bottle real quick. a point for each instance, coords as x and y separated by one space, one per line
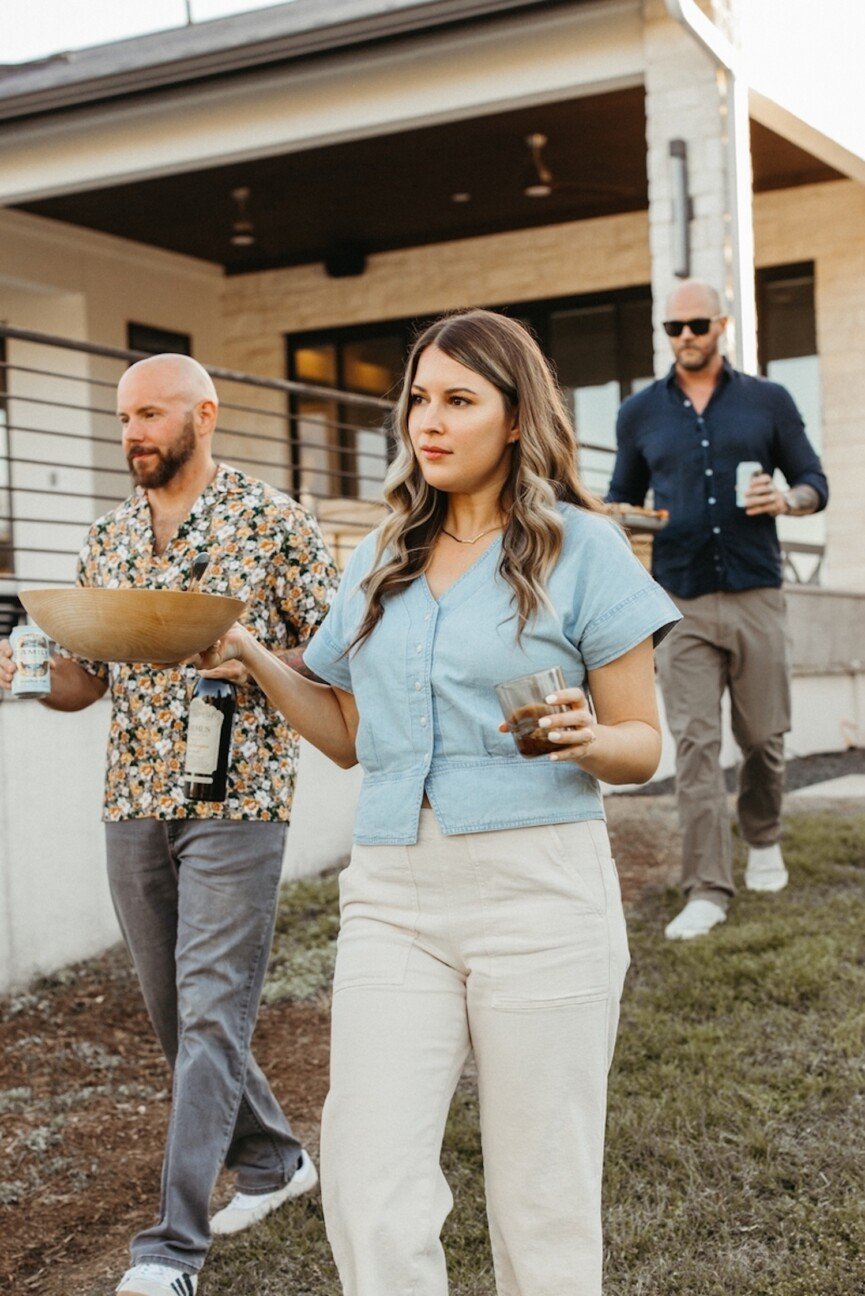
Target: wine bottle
208 739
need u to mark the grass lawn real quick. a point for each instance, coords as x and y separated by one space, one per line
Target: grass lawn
736 1136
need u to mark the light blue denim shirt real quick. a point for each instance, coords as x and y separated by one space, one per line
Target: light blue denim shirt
424 682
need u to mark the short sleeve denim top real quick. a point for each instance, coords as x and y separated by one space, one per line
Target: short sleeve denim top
424 682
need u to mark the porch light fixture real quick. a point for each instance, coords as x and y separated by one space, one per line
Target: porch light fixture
242 231
683 209
540 178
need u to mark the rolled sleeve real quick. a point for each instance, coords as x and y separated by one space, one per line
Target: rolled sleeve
617 604
646 612
327 655
325 658
84 578
794 453
306 578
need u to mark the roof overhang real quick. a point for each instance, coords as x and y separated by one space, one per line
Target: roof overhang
524 55
259 39
798 132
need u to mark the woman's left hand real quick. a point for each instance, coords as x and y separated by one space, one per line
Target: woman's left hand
572 730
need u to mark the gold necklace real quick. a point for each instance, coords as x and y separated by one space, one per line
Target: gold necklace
499 526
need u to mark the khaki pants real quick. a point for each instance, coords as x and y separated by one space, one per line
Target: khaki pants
513 944
736 642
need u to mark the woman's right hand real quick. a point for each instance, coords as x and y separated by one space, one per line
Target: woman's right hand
228 658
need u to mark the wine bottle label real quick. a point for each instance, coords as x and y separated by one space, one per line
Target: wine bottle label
32 661
202 741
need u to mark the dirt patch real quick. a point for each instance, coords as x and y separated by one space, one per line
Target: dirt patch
84 1104
646 842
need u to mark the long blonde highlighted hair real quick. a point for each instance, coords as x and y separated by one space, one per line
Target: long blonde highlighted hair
543 468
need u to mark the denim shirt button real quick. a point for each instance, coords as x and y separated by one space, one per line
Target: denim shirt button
419 648
423 722
417 686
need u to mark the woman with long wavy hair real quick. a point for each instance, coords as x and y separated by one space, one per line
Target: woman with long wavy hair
481 908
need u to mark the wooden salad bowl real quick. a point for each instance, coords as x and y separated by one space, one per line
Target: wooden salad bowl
131 625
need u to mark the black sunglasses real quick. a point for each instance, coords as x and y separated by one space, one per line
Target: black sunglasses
699 327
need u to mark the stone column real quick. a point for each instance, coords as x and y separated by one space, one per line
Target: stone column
685 99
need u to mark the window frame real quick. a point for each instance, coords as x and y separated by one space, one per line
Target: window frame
537 313
163 341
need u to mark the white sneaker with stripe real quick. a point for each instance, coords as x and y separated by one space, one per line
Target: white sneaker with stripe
152 1279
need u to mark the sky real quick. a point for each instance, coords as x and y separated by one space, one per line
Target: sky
38 28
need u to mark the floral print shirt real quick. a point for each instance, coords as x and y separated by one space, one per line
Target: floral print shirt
264 548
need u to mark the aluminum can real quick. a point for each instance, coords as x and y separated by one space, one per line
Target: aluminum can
32 656
745 470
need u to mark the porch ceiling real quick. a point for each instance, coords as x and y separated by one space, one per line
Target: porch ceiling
396 190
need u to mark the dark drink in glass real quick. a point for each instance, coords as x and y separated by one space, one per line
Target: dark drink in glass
523 703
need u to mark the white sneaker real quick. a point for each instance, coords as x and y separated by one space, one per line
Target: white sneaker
696 919
766 870
151 1279
246 1209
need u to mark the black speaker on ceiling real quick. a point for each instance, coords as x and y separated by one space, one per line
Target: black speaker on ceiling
345 261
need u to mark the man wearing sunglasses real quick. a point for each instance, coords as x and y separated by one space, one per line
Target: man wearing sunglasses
684 438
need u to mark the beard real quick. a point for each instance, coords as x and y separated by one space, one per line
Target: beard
168 461
693 363
695 359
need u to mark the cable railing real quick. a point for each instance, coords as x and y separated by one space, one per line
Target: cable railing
61 461
62 465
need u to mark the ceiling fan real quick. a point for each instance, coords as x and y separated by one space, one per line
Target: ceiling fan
540 182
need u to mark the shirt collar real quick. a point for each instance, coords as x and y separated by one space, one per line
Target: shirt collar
138 501
724 377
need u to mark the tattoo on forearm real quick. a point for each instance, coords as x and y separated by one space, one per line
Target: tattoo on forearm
293 657
802 499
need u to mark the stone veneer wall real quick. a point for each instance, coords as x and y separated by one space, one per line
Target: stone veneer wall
581 256
825 224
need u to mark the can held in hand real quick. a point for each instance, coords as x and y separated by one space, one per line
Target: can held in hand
745 472
32 657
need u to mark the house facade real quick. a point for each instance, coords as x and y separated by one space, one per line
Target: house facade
287 193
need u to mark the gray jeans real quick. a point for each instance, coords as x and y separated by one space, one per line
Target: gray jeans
196 902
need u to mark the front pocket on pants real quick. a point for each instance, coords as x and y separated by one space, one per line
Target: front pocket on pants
369 958
546 928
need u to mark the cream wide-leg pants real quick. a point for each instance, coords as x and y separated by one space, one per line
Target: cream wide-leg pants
510 943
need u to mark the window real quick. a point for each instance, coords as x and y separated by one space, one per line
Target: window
338 447
157 341
788 355
600 346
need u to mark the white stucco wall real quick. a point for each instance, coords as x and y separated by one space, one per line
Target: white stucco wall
115 280
55 906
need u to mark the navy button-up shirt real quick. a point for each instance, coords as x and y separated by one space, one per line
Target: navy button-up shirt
689 461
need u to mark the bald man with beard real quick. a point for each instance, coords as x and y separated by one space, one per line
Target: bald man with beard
194 884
